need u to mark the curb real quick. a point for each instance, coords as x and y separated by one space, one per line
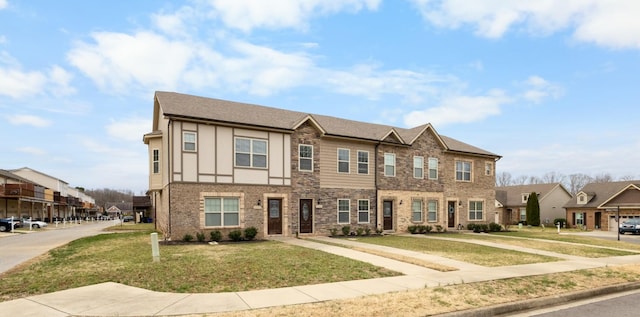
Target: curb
502 309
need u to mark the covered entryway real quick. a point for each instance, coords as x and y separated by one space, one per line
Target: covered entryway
387 215
451 214
275 216
306 216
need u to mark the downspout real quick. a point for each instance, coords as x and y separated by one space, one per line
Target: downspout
375 179
169 139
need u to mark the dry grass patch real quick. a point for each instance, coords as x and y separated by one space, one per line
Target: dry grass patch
571 238
449 298
461 251
197 268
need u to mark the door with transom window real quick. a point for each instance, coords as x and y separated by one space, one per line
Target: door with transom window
306 216
387 215
275 216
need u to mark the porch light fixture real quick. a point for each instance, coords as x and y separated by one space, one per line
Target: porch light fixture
400 201
259 202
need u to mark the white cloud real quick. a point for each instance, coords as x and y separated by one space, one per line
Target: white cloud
130 129
28 120
3 4
60 80
460 109
611 23
538 89
16 83
249 14
117 61
32 150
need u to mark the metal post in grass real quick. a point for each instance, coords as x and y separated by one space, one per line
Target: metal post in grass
618 218
155 247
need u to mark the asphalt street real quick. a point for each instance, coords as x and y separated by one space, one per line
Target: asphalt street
18 248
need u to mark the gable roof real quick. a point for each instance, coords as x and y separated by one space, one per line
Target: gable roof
188 107
8 175
602 193
512 195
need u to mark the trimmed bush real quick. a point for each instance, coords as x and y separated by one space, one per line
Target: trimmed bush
360 231
250 233
428 228
187 237
200 236
494 227
235 235
346 230
439 228
333 232
215 236
367 231
471 226
412 229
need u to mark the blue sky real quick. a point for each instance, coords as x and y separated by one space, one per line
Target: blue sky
552 86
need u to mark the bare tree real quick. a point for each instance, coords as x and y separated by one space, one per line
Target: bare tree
603 178
553 177
628 178
534 180
520 180
577 181
503 179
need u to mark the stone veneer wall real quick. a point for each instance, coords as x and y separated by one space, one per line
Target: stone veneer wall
186 207
402 212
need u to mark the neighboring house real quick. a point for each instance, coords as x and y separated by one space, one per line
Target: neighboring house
40 196
511 202
597 205
223 165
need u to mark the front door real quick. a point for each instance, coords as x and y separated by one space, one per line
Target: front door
306 216
275 216
387 215
451 213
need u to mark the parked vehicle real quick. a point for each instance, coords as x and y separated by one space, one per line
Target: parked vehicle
5 224
631 225
34 223
127 218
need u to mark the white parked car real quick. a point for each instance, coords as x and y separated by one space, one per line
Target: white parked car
33 223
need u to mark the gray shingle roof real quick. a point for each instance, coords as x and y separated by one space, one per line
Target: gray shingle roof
230 112
512 195
601 192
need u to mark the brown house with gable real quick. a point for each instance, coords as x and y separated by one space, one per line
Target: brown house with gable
223 165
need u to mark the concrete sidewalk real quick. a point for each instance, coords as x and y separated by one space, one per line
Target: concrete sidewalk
112 299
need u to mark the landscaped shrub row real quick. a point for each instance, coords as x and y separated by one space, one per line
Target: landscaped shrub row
216 236
346 231
483 227
420 229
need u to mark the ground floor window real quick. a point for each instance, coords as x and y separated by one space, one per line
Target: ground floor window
363 211
475 210
416 210
343 210
432 211
523 214
221 211
579 219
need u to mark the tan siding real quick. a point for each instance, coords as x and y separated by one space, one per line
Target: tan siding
276 155
176 160
206 149
224 144
329 176
190 169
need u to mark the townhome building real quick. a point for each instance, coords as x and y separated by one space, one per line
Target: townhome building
224 165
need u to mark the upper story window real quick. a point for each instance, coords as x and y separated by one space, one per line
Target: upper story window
418 167
433 168
189 141
488 168
251 153
463 171
389 164
156 161
363 162
525 197
305 157
582 199
343 160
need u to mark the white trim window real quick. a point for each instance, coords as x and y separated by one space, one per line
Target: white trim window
432 211
475 210
488 168
305 158
363 210
251 153
363 162
433 168
389 164
156 161
221 211
343 160
189 141
344 211
416 210
418 167
579 218
463 171
523 214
